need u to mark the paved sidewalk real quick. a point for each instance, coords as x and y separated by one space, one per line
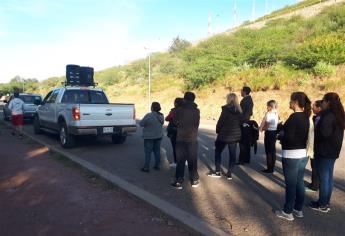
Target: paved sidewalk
42 196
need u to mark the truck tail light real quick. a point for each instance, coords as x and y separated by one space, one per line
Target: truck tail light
76 113
134 113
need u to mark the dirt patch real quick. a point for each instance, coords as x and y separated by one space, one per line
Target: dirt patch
39 196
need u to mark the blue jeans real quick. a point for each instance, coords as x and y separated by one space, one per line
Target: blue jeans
152 145
325 169
219 147
294 184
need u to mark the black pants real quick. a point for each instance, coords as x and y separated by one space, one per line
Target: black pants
173 145
219 147
244 156
187 151
315 182
270 148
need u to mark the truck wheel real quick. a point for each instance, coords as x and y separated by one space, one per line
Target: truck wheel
66 140
37 126
118 138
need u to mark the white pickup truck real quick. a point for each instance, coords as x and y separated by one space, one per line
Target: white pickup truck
75 111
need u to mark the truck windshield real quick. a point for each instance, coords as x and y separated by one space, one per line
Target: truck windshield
84 97
30 99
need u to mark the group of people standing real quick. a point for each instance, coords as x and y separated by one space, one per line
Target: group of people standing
302 136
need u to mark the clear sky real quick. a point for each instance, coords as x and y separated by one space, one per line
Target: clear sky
39 37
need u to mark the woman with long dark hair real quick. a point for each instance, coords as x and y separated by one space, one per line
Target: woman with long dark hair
294 155
329 134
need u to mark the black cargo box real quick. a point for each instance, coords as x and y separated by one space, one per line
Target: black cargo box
79 75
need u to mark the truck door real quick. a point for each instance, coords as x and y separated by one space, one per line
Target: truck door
42 109
51 109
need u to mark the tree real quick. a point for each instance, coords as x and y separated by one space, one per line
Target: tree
179 45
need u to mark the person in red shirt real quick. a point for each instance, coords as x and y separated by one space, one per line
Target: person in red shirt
172 129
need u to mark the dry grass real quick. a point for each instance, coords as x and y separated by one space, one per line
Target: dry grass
211 98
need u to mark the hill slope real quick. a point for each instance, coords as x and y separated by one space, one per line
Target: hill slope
284 54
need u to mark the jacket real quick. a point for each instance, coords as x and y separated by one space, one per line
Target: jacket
153 125
328 136
171 128
247 107
187 119
229 125
296 130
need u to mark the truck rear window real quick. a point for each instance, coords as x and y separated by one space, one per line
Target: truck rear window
84 97
30 99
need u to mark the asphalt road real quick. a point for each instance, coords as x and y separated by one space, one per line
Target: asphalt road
242 206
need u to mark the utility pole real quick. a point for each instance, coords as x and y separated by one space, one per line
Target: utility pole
234 24
149 79
253 10
266 7
209 25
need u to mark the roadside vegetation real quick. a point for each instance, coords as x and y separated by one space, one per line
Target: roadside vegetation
284 56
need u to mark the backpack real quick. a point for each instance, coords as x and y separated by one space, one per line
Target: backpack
254 128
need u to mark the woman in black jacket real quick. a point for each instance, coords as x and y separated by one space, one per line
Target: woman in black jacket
229 134
329 134
294 155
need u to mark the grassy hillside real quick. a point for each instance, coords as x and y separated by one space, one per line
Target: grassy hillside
284 56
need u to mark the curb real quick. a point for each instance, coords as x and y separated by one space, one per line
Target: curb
187 219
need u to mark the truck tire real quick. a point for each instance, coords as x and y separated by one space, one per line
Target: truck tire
118 138
66 140
37 125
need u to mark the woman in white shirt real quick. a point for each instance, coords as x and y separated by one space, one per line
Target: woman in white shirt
269 125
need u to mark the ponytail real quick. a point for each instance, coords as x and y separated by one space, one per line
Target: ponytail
336 107
307 107
303 101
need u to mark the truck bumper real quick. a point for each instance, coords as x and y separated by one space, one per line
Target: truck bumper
99 130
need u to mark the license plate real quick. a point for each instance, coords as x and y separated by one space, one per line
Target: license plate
108 130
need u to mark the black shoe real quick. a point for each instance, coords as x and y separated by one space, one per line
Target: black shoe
214 174
240 163
177 185
267 171
156 168
228 176
195 183
145 170
317 207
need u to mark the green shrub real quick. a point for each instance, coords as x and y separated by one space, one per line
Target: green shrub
323 69
203 72
328 48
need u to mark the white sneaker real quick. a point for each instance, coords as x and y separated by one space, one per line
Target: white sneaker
186 163
172 165
285 216
195 183
298 214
